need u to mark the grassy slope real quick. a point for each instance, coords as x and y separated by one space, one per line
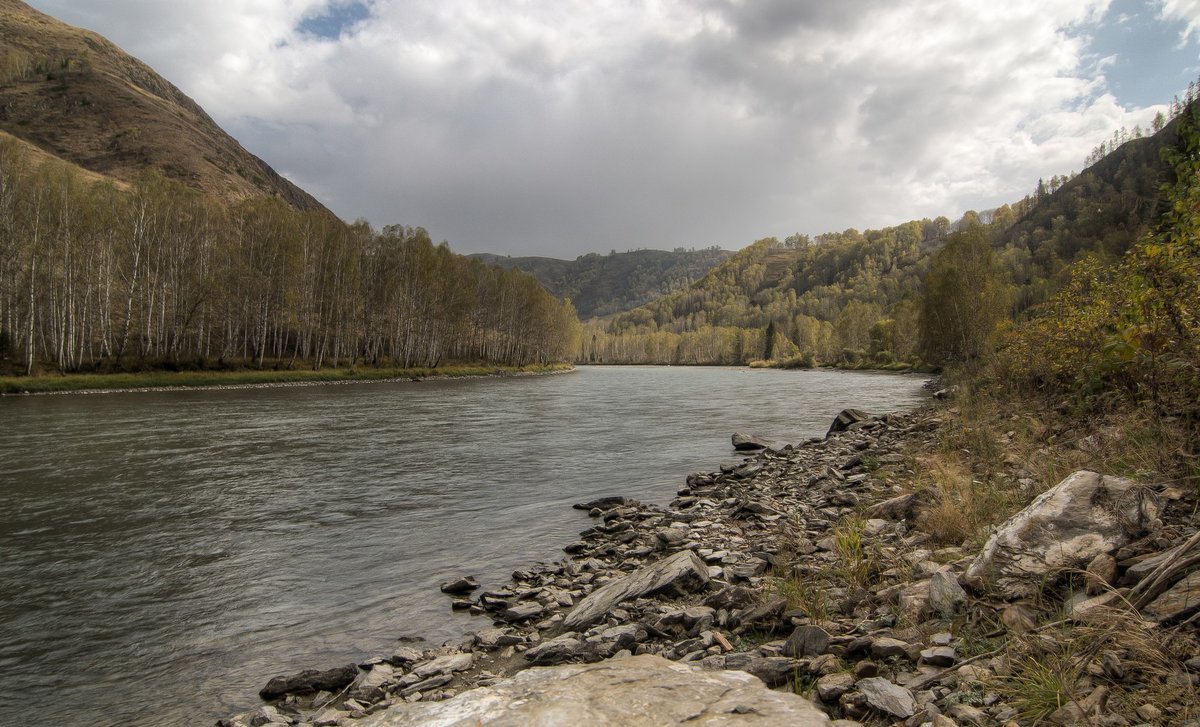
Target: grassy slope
80 98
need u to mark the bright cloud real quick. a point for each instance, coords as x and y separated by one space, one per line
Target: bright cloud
560 127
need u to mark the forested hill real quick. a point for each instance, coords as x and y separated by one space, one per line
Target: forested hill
74 95
600 285
135 234
854 297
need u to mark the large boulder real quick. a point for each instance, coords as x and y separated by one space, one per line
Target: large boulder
641 690
677 575
1085 515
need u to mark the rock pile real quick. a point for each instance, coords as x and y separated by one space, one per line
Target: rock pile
733 576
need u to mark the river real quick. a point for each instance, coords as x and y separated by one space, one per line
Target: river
163 554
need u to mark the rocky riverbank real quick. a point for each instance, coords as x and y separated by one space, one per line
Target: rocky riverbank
815 569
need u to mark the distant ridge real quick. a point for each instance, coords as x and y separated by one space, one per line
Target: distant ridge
76 96
601 285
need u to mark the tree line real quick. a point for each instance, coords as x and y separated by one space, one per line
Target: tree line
877 297
96 277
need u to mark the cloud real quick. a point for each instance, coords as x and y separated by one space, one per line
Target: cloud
1185 11
560 127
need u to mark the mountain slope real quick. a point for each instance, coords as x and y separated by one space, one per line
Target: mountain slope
854 296
77 96
601 285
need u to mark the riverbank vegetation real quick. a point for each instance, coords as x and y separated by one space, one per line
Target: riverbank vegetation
161 379
96 278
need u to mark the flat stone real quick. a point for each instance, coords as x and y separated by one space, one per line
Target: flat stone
489 639
748 442
886 648
1180 600
523 611
555 651
965 714
604 503
832 686
679 574
445 665
883 696
939 656
639 690
773 670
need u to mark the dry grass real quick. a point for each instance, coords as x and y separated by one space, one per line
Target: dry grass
1139 662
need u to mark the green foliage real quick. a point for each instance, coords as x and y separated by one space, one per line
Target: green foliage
1127 332
857 561
1040 685
965 298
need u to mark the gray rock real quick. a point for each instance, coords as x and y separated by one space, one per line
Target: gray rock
604 503
523 611
459 586
945 594
846 419
806 641
897 508
886 697
939 656
490 639
914 601
434 682
773 670
1180 600
370 685
748 442
555 651
267 715
640 690
886 647
445 665
615 639
678 574
832 686
310 680
966 714
1083 516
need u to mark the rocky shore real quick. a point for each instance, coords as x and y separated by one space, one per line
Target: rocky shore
810 568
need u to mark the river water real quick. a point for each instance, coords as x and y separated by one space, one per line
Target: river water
163 554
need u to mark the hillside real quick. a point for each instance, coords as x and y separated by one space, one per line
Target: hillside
853 297
78 97
601 285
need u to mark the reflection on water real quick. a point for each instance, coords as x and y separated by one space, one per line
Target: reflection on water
163 554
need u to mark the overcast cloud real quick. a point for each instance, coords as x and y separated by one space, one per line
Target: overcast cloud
560 127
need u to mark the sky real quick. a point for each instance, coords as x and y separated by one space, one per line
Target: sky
563 127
